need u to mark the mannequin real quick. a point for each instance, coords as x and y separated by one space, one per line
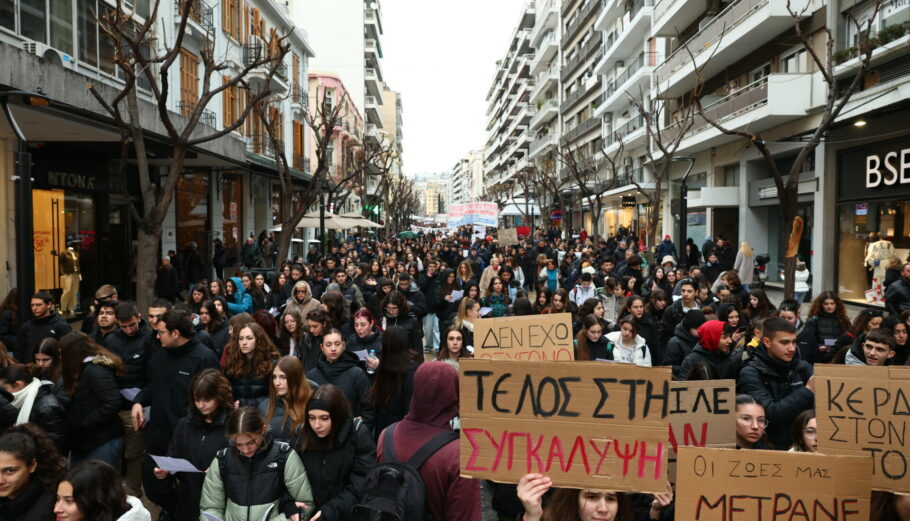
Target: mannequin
70 276
878 252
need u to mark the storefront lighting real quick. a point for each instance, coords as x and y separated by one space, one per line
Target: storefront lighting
859 123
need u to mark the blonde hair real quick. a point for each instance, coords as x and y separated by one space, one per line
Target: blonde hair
744 247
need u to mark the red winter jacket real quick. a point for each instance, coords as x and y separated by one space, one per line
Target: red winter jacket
449 496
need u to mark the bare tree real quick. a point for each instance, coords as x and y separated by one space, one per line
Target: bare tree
585 173
500 193
836 98
525 186
550 182
142 57
403 202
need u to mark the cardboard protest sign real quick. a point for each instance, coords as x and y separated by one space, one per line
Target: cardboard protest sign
507 236
766 485
865 411
583 424
536 337
701 415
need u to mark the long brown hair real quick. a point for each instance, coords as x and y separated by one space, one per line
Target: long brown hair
76 347
564 505
329 398
445 354
237 364
298 395
211 384
840 311
50 347
392 372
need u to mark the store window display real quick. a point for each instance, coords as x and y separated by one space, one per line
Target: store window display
874 236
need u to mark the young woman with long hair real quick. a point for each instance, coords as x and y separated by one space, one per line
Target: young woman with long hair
454 347
497 298
289 390
559 302
804 432
464 275
291 331
542 300
213 322
627 345
249 359
591 341
646 327
760 305
393 384
569 504
9 318
255 477
90 375
198 295
47 360
468 313
198 437
93 491
337 450
31 465
751 424
826 322
337 310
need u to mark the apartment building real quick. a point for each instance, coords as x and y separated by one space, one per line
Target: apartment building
80 195
581 45
467 178
509 107
546 92
435 198
348 35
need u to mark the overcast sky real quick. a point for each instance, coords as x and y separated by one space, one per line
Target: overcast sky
441 56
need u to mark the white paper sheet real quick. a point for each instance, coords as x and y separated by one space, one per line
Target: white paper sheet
174 464
457 294
130 394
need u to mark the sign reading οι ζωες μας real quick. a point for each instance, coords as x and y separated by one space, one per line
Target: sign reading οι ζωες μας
701 415
770 485
865 411
534 337
583 424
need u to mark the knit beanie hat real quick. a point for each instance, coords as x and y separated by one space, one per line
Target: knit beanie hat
693 320
709 334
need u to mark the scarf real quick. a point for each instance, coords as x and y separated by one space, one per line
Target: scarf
25 399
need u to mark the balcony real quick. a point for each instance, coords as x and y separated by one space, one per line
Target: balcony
764 104
635 81
372 51
579 94
727 38
629 134
201 15
373 23
259 143
592 45
373 79
546 80
541 146
186 109
256 51
545 113
546 18
583 128
630 39
300 100
546 51
371 133
374 115
582 16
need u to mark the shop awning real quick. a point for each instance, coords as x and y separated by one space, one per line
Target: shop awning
518 209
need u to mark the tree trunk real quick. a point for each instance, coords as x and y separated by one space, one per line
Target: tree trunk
284 243
796 233
147 253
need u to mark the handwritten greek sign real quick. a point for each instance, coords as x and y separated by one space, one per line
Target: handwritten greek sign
536 337
507 236
864 411
583 424
764 485
701 415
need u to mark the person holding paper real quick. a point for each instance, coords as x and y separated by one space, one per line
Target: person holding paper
367 337
337 451
197 437
826 322
497 298
256 478
31 466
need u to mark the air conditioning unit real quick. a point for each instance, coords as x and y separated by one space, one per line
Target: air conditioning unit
49 54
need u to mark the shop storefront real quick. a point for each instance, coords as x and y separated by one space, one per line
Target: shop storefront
873 217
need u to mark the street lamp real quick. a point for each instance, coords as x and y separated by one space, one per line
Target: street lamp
25 248
683 209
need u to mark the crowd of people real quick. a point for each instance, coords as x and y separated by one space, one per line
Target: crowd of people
289 391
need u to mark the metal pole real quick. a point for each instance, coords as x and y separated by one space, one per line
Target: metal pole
25 252
683 211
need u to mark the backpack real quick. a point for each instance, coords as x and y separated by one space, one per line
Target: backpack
394 490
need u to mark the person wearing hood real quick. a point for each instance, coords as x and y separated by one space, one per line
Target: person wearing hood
684 339
342 369
45 324
36 402
449 496
302 296
92 489
876 349
715 339
626 346
417 301
197 438
238 300
780 381
666 248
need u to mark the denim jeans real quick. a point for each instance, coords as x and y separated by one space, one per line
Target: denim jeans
108 452
430 332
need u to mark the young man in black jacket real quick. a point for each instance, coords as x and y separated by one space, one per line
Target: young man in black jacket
429 284
45 324
780 381
166 392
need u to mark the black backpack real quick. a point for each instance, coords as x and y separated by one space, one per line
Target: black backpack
394 490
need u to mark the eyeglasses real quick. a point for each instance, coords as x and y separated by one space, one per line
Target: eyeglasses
745 419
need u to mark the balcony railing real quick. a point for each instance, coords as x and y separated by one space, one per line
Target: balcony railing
618 34
370 101
259 143
753 94
300 96
583 15
629 176
200 12
579 93
253 52
735 13
585 126
583 54
186 108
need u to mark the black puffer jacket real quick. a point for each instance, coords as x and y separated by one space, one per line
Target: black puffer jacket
196 441
250 389
373 341
598 350
309 351
8 411
673 315
36 330
726 364
678 348
94 410
337 474
49 413
167 390
33 504
8 328
347 374
398 405
135 352
220 338
781 389
819 328
412 325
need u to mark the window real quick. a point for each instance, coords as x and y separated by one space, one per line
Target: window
189 81
231 210
760 73
330 154
62 25
299 145
8 15
329 100
731 175
33 19
230 102
794 62
87 33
